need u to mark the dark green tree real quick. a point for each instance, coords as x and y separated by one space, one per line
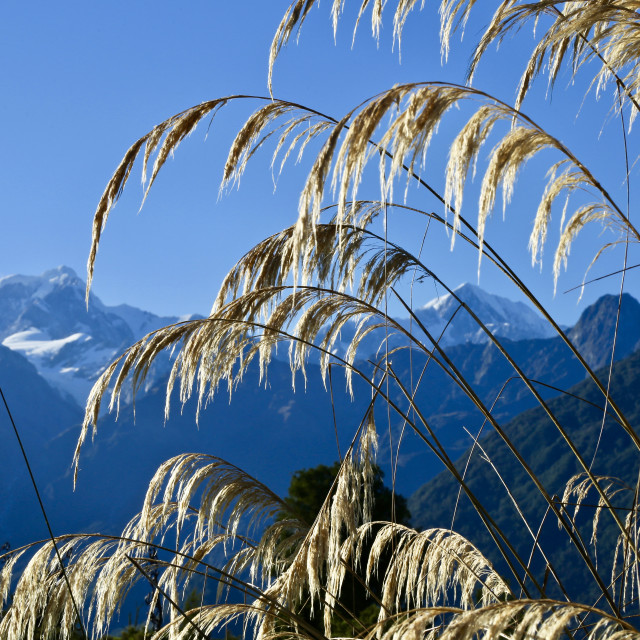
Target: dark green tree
307 492
309 488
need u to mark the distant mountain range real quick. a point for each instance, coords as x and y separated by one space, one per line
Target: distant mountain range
54 349
45 318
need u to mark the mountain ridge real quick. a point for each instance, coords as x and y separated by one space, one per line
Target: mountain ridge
125 453
47 320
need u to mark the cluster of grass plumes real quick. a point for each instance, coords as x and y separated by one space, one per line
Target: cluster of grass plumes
336 266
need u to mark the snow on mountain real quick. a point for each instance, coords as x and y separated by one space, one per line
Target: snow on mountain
45 318
503 317
143 322
451 325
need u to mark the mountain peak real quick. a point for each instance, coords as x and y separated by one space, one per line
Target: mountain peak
594 332
45 318
41 286
60 274
503 317
468 286
465 291
61 277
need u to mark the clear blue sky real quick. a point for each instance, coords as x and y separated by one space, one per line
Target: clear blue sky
82 80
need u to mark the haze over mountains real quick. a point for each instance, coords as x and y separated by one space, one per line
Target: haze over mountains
53 349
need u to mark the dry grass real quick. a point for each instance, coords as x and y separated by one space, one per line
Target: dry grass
301 287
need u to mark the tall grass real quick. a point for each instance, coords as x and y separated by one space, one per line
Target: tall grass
337 264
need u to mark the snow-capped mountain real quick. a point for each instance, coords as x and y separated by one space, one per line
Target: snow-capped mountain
450 324
503 317
45 318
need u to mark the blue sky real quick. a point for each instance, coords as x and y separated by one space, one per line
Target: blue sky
83 80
